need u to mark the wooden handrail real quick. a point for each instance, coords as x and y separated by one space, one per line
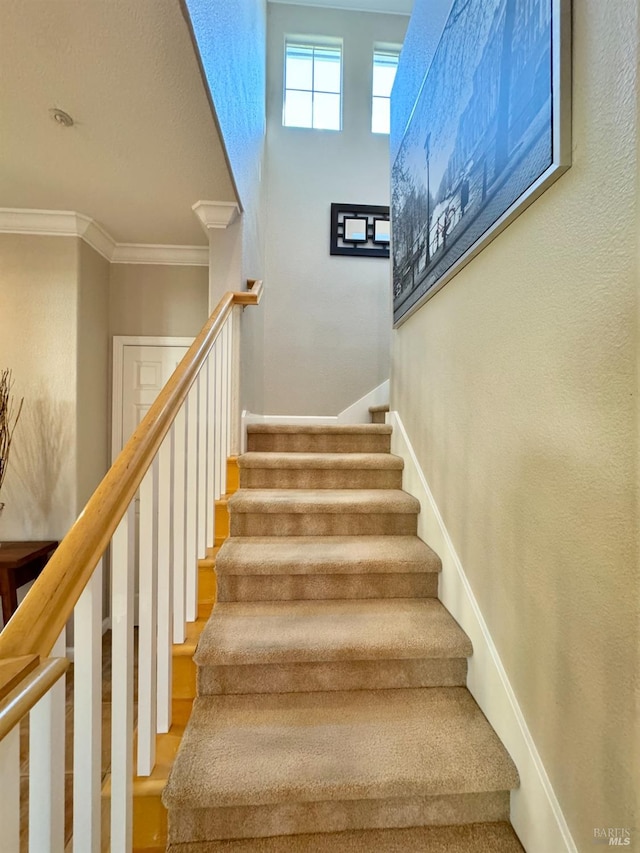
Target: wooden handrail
38 622
29 691
14 670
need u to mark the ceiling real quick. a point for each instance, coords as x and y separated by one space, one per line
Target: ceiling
397 7
144 147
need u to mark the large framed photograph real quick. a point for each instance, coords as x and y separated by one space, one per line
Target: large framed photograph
491 130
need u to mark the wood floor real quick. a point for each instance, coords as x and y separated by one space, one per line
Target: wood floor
106 746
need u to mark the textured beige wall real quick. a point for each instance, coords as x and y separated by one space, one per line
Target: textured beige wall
92 411
148 299
327 319
517 384
38 286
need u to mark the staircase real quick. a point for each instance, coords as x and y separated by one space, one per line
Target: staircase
332 714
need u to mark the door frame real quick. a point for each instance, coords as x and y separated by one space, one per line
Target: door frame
117 390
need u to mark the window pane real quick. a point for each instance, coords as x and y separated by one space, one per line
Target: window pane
384 72
312 85
326 111
297 109
298 70
380 121
326 70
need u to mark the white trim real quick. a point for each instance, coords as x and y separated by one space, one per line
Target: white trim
142 253
96 237
358 412
68 223
215 214
536 815
299 420
119 343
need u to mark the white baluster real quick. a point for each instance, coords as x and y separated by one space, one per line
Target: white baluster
230 351
236 318
122 587
165 582
46 766
87 715
10 787
224 450
211 460
179 430
147 621
219 461
191 567
203 400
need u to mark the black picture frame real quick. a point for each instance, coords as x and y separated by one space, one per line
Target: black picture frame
365 245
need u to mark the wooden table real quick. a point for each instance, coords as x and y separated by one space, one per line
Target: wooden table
20 562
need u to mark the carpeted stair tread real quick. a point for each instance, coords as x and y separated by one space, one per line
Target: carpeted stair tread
335 501
319 429
320 460
302 555
472 838
320 471
337 438
352 745
296 631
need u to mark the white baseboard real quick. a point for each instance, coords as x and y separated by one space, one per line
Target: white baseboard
299 420
358 412
536 815
106 626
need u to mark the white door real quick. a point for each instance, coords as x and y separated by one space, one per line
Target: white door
141 368
144 369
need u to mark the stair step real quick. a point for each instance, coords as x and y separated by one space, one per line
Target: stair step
318 512
278 647
344 438
470 838
378 413
287 763
278 568
320 471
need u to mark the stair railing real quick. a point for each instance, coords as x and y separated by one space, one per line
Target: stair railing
176 460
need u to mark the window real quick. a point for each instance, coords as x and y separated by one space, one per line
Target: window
385 64
312 85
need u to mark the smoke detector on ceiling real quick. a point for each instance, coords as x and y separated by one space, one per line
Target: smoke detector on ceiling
61 117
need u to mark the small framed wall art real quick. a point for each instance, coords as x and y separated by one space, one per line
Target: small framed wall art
360 230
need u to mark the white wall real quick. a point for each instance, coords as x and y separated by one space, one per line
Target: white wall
231 38
327 319
517 384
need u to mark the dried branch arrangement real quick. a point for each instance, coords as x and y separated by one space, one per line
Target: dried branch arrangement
9 417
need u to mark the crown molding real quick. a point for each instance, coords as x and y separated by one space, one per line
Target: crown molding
96 237
143 253
68 223
215 214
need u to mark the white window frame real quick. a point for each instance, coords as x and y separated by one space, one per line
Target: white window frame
313 43
382 50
